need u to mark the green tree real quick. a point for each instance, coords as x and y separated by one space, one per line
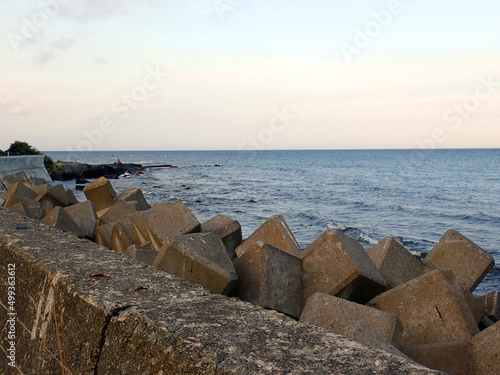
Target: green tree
23 148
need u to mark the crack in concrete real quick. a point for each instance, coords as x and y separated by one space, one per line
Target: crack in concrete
107 319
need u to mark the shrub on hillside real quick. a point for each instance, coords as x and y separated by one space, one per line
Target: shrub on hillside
23 148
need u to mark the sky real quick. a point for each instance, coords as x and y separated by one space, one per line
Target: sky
249 74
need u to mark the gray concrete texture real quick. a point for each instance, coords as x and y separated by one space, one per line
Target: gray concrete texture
141 254
60 219
83 309
338 315
229 230
454 358
200 258
432 309
165 223
338 265
135 195
269 277
491 303
85 217
486 351
274 232
467 260
33 166
396 264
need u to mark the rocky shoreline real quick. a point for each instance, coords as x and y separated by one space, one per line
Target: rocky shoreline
82 171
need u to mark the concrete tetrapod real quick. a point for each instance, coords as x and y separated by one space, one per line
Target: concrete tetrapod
136 195
60 219
432 309
85 217
455 252
274 232
338 265
269 277
202 259
396 264
229 230
100 192
338 315
486 351
164 224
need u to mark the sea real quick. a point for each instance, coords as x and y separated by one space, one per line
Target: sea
411 195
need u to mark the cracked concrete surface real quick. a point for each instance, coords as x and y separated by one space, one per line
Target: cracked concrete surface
84 309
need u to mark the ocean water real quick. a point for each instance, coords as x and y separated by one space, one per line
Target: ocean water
413 195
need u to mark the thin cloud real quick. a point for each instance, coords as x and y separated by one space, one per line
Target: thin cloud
91 10
54 50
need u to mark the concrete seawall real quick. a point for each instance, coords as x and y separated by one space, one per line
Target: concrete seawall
32 165
84 309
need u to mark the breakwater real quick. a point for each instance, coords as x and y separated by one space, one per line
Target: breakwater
83 309
32 165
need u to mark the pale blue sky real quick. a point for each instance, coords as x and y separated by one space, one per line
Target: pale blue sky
78 75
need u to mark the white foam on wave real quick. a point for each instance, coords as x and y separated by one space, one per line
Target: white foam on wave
368 239
337 227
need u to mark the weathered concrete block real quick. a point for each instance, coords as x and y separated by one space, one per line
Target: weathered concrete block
141 230
71 197
229 230
36 188
116 212
491 303
166 223
269 277
475 306
338 315
100 192
141 254
200 258
60 219
10 180
454 358
366 336
486 351
137 196
49 201
85 217
396 264
431 308
17 193
160 206
274 232
59 192
32 210
338 265
123 235
103 234
468 261
87 310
